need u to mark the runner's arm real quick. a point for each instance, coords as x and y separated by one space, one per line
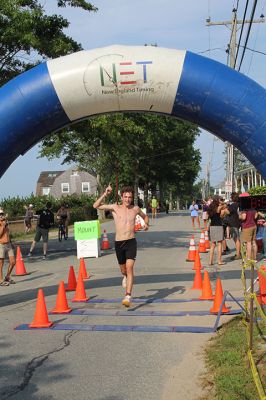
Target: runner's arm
98 203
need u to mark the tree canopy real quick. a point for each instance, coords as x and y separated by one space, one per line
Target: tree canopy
28 35
143 150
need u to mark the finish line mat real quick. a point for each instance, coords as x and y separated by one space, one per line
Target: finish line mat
120 328
129 313
151 300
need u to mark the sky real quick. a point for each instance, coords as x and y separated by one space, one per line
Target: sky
173 24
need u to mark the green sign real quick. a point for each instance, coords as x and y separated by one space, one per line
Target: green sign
87 230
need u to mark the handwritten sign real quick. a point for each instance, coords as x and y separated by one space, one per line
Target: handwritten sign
86 230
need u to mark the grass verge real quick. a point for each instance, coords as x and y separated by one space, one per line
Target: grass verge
228 375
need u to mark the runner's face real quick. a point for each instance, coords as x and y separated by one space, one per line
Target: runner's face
127 198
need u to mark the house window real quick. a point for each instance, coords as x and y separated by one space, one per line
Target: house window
46 191
65 187
85 187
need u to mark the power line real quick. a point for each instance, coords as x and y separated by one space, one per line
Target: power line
241 32
248 33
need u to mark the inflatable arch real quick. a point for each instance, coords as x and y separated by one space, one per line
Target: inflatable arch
119 78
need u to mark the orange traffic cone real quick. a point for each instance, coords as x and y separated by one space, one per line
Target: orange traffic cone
72 283
82 269
197 284
206 288
202 247
80 294
207 241
197 262
192 250
105 241
41 317
61 301
262 286
218 299
20 266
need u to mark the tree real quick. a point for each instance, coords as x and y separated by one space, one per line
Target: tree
142 149
29 36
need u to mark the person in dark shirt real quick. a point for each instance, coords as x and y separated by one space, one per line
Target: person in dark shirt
45 220
234 224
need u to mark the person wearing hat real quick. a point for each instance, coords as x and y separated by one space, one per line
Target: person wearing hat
5 248
28 218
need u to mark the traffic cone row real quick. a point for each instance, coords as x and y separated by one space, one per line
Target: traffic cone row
197 262
20 269
192 250
41 319
105 241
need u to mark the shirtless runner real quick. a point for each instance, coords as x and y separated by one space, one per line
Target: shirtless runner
125 243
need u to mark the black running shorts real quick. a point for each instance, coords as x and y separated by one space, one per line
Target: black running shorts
125 250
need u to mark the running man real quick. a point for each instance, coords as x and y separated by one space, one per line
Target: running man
125 243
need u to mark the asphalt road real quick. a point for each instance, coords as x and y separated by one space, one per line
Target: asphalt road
111 365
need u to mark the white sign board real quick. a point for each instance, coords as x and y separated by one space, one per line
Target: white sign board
88 248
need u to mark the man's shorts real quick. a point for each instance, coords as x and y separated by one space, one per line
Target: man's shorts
249 234
125 250
41 232
234 232
6 249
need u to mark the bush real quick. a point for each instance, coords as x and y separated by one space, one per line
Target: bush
80 206
257 190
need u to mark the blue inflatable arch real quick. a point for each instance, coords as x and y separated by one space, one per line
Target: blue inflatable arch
119 78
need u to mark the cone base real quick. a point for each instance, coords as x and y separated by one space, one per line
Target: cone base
81 300
70 290
224 310
188 260
67 311
196 288
46 325
105 248
26 273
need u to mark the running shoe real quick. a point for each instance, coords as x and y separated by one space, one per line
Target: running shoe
124 282
44 257
126 301
29 254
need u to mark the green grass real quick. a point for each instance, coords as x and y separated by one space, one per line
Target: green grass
228 374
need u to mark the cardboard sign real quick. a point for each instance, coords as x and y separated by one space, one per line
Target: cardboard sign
86 230
88 248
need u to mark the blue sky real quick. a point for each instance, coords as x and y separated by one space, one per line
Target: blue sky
168 23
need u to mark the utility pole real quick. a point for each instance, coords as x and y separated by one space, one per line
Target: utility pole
233 23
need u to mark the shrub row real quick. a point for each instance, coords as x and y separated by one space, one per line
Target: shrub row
80 206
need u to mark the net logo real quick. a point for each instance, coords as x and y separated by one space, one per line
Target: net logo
122 71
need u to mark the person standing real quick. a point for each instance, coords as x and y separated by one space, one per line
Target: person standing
217 210
234 224
125 243
248 235
154 205
45 220
5 248
28 218
194 213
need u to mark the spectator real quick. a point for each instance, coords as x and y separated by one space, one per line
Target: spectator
194 208
28 218
205 207
234 224
217 210
5 248
249 228
45 220
154 205
63 216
